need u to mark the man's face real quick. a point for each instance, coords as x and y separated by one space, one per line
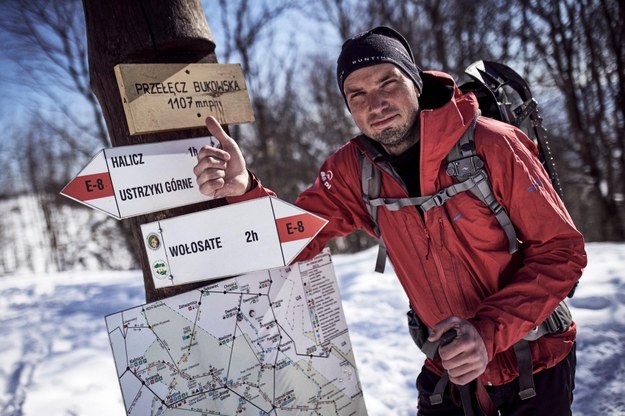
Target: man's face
384 105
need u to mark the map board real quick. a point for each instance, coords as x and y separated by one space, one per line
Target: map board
266 343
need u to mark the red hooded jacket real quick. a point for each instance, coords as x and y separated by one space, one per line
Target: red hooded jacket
454 261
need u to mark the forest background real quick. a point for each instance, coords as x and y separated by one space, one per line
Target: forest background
572 52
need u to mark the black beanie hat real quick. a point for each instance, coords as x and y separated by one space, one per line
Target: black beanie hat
378 45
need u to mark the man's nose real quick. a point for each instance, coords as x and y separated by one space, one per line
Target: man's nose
377 101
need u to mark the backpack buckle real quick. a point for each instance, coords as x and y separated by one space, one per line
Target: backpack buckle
465 167
439 198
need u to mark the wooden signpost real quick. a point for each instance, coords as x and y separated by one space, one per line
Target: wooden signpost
155 113
121 32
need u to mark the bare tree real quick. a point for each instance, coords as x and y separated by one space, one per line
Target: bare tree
581 46
344 16
572 51
578 47
45 40
38 158
276 145
300 116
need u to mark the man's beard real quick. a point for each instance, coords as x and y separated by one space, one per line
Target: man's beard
398 137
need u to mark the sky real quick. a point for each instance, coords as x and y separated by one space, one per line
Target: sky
22 92
55 357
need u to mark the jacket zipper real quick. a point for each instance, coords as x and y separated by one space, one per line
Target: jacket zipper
439 267
435 257
460 298
429 239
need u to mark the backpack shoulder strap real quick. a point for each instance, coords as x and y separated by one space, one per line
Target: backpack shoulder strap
371 182
466 166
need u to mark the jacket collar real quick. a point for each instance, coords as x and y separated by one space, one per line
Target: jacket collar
442 127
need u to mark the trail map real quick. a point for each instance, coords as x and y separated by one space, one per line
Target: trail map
265 343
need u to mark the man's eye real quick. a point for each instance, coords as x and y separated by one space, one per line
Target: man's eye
357 96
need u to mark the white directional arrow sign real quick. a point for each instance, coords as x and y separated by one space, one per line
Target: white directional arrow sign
253 235
127 181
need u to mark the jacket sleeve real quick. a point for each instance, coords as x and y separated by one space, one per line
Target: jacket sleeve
257 190
336 196
552 248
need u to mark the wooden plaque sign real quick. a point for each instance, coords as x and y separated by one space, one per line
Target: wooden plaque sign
161 97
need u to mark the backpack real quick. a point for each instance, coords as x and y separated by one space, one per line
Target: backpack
494 85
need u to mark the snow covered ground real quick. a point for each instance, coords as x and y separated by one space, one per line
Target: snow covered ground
55 357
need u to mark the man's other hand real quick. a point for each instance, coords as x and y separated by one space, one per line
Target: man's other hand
465 358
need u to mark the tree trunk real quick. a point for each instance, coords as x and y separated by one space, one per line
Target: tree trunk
145 31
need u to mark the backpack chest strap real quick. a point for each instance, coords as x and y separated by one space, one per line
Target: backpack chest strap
477 184
463 164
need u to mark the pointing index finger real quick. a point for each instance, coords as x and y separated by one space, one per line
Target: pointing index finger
217 131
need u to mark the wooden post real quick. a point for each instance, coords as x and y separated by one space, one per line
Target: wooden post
145 31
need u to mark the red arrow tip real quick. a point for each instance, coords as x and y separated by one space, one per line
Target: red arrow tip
299 227
87 187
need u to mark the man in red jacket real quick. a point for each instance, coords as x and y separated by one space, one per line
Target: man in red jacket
454 260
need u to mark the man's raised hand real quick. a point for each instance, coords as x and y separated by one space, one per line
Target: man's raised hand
221 172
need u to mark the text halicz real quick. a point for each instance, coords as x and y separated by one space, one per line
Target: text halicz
131 180
127 160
